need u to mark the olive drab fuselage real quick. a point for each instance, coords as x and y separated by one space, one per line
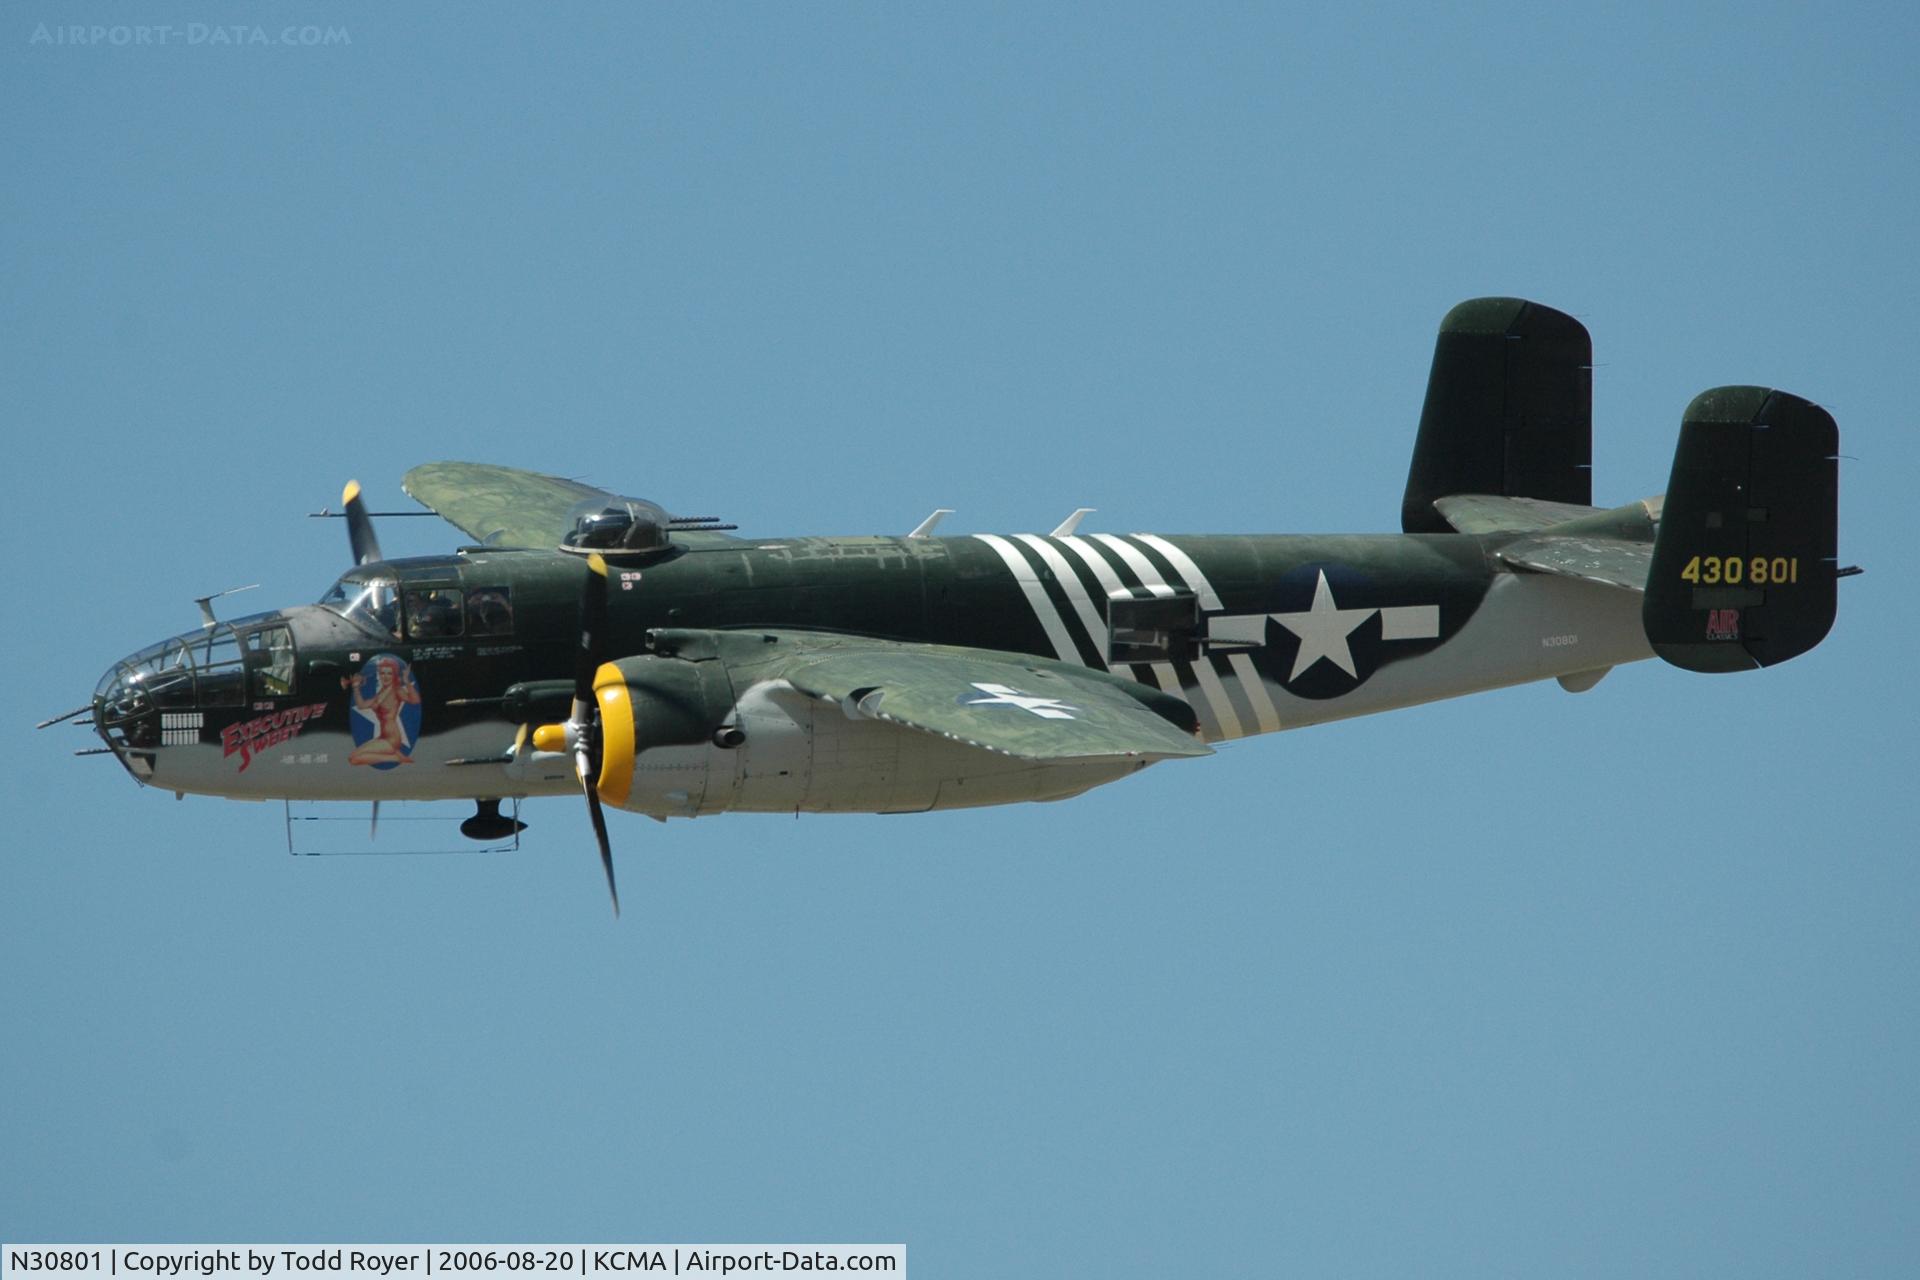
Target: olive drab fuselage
1255 633
594 642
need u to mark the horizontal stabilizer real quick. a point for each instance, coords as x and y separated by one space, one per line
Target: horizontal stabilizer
1609 561
1744 565
1613 547
1491 513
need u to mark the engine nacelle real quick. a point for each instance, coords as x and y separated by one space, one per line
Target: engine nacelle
687 733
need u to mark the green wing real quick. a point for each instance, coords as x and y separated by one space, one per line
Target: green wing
499 506
1016 707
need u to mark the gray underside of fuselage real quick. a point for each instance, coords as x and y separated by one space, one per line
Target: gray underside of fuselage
1530 627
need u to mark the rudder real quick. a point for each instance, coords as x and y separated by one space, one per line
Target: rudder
1743 571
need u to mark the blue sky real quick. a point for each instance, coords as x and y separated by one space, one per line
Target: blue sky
1523 984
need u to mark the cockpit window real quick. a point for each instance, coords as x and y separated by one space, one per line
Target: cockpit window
433 613
371 602
204 668
218 660
270 657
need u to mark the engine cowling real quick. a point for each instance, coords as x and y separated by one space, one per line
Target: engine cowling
651 702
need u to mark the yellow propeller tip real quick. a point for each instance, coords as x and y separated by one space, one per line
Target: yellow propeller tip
350 493
596 563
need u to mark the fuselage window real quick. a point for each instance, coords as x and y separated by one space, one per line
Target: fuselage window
433 614
270 656
489 612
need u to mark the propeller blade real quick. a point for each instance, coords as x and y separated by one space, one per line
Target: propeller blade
589 783
366 547
593 629
586 709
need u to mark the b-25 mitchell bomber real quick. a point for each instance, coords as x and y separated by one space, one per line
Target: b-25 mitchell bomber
593 643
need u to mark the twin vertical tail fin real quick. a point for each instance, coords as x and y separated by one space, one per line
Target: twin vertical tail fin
1508 414
1744 564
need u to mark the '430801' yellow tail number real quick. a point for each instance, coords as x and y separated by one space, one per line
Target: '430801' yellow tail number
1710 571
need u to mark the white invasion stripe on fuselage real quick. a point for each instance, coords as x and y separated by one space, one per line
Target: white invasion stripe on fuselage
1243 669
1076 592
1036 595
1216 693
1141 566
1109 580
